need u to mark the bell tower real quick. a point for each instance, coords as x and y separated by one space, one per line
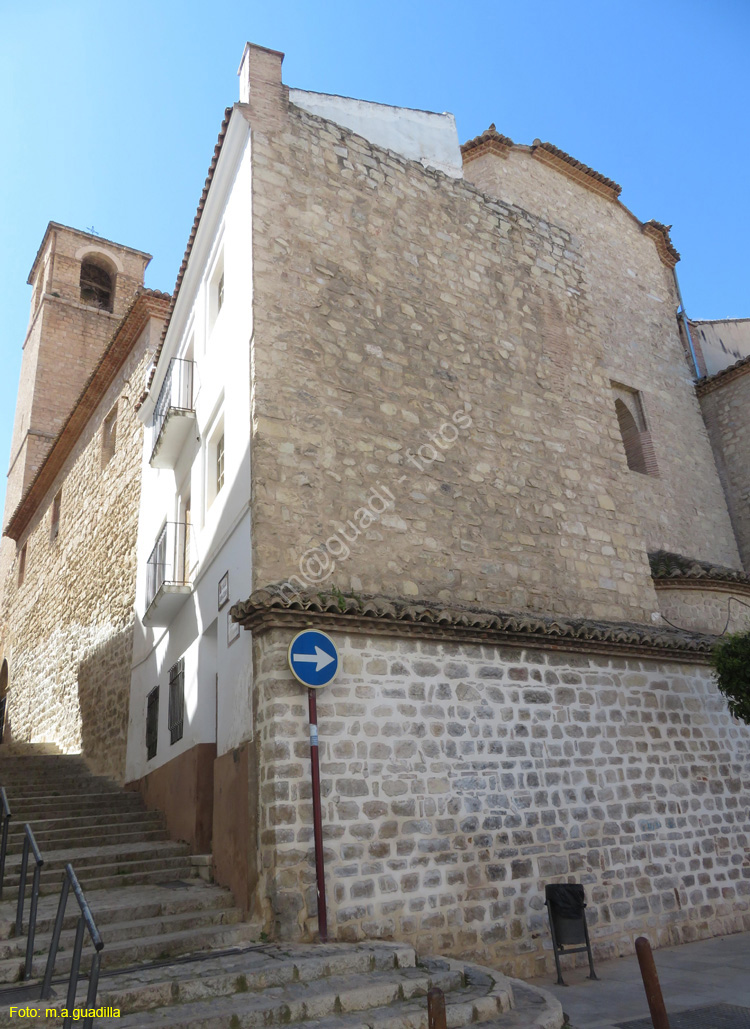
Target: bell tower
82 287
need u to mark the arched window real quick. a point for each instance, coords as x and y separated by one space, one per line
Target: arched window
96 286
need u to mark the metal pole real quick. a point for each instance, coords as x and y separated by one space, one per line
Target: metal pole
436 1009
651 985
47 984
320 880
3 851
93 983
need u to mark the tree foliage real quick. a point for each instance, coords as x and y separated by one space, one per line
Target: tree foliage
731 661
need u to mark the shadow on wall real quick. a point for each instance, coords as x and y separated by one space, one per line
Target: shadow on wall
103 697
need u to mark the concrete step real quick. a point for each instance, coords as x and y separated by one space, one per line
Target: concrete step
104 877
74 804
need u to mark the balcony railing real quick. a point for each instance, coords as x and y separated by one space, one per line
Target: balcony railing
167 573
173 413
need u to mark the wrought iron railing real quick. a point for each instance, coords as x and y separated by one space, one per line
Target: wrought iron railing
5 815
176 394
168 563
29 846
86 921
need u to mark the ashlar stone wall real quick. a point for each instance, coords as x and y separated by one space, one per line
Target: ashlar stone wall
390 302
725 403
458 779
633 301
69 624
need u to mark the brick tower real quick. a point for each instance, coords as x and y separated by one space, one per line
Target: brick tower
82 286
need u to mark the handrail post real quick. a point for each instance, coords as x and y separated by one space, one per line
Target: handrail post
22 887
93 986
32 922
74 969
4 844
55 942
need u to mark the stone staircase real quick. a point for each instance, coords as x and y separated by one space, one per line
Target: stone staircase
329 986
176 953
143 889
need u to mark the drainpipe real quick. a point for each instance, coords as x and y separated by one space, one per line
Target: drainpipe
683 317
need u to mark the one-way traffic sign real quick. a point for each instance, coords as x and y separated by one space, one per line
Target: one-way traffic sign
313 658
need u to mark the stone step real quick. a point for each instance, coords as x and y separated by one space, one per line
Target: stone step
23 785
152 818
117 905
74 804
68 839
137 950
104 877
261 967
117 932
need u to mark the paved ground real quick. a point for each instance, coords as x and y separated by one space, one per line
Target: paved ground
711 972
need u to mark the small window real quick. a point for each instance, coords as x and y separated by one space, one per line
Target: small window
636 438
96 286
54 529
22 565
176 700
220 293
219 463
152 723
216 293
109 436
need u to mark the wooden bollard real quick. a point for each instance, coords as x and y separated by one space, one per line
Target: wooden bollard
651 985
436 1009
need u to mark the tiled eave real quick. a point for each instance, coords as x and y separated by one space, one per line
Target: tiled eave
660 235
489 142
724 377
266 609
576 170
148 303
670 568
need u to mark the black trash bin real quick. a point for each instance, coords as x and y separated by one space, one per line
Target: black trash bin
566 904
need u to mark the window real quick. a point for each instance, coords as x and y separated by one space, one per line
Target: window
216 294
220 293
109 436
215 460
22 565
176 700
220 463
152 722
636 438
54 529
96 286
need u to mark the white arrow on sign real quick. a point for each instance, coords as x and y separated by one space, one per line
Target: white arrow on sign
320 658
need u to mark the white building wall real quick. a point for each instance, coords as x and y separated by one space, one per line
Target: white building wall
217 668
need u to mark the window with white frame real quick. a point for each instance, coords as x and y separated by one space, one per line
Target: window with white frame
216 292
215 460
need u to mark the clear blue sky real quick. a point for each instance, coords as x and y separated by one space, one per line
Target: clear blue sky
109 113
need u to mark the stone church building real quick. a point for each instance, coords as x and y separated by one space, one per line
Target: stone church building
443 403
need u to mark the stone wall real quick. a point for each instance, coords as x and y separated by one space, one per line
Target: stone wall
715 610
416 337
633 300
458 779
725 402
69 625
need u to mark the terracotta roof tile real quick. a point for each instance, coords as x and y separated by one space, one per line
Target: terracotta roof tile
660 235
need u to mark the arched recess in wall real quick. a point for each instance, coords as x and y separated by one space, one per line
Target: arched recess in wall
3 696
631 438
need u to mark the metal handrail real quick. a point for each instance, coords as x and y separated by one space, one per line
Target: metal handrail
4 845
29 844
86 921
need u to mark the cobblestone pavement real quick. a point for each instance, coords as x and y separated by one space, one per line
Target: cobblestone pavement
707 974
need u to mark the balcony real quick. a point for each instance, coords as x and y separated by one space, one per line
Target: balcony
167 585
174 414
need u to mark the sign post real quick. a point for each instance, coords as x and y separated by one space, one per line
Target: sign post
314 661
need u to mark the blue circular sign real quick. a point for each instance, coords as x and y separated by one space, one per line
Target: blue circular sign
313 658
